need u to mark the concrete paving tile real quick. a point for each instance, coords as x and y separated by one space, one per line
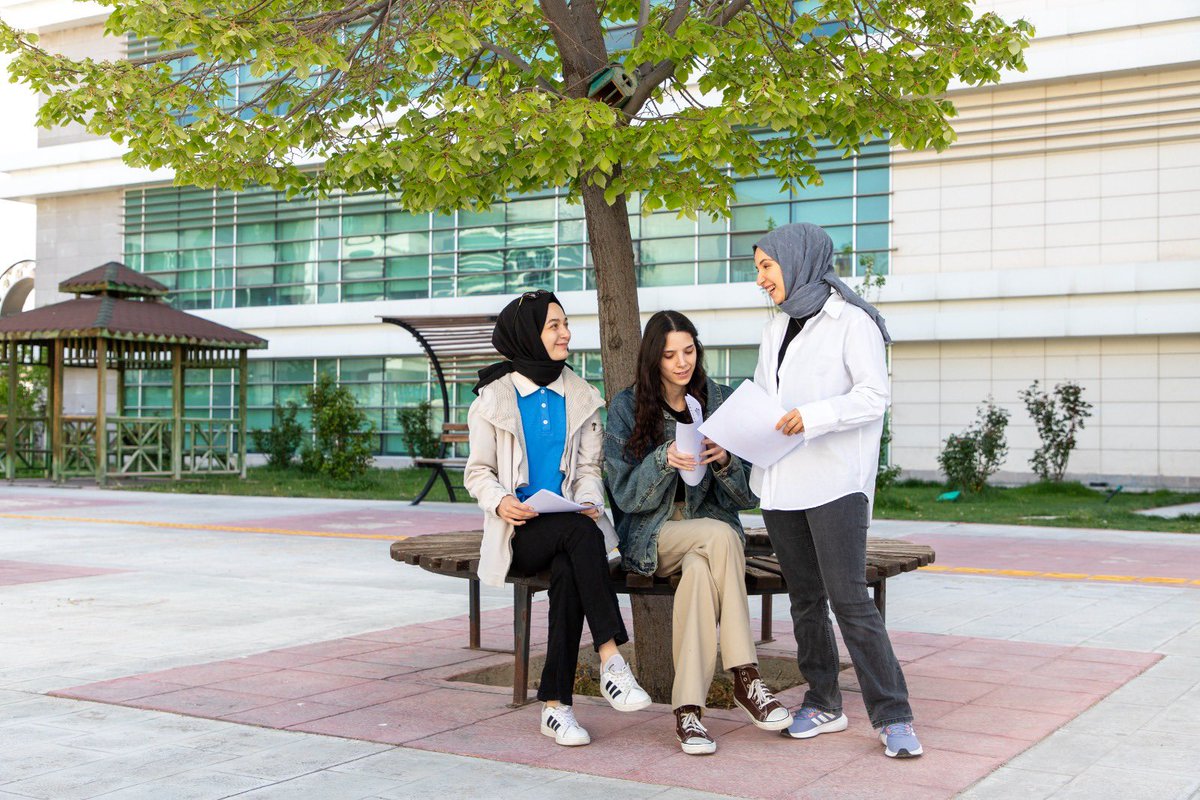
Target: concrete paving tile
410 718
686 794
419 656
30 760
586 787
239 740
1066 753
1128 784
194 785
215 672
404 763
300 757
691 772
935 738
342 785
369 693
1157 692
1009 782
1173 752
947 689
121 689
336 648
838 787
405 634
509 781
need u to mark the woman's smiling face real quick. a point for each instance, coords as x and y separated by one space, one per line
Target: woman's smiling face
556 333
770 276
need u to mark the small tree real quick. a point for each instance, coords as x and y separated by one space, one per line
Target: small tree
970 458
1058 418
281 441
30 394
417 431
341 443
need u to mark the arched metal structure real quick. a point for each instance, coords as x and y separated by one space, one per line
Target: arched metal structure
16 285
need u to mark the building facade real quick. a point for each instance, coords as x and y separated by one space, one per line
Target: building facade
1058 238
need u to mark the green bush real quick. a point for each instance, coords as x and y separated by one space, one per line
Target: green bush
416 430
341 440
280 442
1058 418
970 458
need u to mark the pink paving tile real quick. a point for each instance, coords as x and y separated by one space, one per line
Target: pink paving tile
119 690
200 701
289 684
15 573
400 522
395 677
282 715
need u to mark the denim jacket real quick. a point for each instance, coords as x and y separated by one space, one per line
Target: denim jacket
644 490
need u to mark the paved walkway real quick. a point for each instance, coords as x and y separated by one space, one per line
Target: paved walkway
128 593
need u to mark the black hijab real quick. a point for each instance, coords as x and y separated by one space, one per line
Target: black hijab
518 337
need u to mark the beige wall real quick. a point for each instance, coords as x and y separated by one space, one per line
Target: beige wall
1145 392
75 233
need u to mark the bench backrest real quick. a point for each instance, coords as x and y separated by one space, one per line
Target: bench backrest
455 433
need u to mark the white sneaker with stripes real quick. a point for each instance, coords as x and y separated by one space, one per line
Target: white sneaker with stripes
620 688
560 723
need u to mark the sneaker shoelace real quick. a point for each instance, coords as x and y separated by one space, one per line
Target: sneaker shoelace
899 729
690 724
760 695
623 677
566 715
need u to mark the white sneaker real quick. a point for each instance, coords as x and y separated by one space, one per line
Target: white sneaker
620 688
560 723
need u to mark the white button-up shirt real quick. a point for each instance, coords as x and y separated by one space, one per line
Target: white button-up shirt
835 373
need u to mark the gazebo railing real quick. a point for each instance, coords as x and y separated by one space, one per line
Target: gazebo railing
78 445
31 447
210 446
139 446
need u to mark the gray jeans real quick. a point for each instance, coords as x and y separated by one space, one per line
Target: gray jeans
823 553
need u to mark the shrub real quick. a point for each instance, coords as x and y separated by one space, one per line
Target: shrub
1058 418
888 474
970 458
416 430
280 442
341 443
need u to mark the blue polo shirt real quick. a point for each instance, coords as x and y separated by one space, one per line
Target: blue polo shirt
544 422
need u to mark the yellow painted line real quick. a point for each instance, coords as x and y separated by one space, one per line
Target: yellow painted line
1069 576
190 526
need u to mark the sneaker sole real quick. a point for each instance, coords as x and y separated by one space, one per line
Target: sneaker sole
627 707
902 753
836 726
786 722
699 749
548 731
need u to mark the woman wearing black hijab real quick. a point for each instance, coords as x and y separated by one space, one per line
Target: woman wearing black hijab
536 426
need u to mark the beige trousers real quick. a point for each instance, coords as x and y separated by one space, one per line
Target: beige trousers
711 592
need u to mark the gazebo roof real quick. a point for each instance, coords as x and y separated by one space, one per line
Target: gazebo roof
115 316
115 280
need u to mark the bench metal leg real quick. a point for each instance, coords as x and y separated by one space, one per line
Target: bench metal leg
473 598
522 614
449 485
879 592
428 485
767 633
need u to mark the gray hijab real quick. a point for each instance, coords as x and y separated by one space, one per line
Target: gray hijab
805 253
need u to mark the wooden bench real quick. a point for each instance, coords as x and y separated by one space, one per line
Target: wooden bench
452 433
457 555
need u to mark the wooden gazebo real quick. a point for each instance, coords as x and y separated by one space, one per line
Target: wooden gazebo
118 322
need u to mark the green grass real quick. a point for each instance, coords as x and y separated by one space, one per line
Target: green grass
377 484
1065 505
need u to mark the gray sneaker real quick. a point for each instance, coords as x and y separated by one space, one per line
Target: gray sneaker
900 741
808 722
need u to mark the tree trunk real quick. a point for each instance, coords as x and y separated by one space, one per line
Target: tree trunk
620 333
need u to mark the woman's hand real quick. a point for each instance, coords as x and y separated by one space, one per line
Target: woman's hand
680 460
592 511
513 511
790 423
714 452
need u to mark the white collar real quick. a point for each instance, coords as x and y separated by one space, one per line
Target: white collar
526 387
835 304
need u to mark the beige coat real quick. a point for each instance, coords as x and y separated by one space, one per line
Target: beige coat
496 465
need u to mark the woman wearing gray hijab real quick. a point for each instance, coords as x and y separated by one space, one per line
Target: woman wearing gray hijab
823 359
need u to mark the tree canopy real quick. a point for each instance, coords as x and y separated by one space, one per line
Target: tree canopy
451 103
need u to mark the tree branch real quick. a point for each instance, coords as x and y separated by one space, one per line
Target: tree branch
643 21
521 64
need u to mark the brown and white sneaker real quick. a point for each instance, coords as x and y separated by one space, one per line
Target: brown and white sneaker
752 696
693 736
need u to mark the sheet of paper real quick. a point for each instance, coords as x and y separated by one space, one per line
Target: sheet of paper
745 426
546 502
688 440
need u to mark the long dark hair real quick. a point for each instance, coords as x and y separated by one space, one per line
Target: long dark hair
648 393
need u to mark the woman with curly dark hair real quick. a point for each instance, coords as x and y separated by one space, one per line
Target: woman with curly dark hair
670 526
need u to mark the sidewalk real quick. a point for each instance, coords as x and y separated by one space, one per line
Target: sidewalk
105 589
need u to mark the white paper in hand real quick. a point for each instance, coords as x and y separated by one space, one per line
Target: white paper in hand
689 441
745 426
547 502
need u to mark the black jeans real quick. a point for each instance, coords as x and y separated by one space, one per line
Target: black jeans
573 548
823 554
